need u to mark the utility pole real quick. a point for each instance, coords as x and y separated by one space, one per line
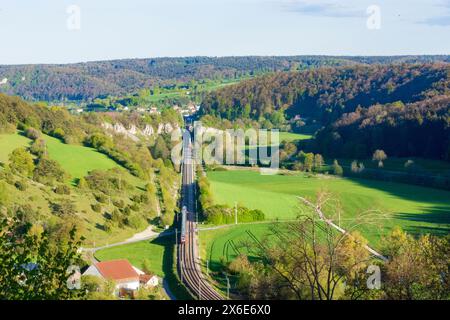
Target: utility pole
176 236
207 267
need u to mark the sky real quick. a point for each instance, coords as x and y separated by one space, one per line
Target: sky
66 31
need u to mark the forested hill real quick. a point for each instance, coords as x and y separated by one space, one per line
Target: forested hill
83 81
324 94
403 109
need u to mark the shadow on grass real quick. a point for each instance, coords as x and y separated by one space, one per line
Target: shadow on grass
439 217
438 213
170 267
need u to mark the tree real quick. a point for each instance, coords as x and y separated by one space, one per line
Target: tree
4 195
308 162
318 162
98 288
380 156
21 162
357 167
32 133
47 171
39 148
337 169
63 208
295 264
160 149
32 268
417 268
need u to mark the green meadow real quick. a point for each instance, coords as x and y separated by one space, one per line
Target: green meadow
77 160
9 142
136 253
290 136
415 209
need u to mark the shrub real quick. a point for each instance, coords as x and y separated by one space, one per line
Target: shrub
101 198
62 189
47 171
63 208
32 133
96 207
21 185
21 162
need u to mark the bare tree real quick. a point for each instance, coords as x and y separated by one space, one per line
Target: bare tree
311 258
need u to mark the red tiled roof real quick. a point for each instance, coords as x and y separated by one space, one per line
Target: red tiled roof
117 270
144 278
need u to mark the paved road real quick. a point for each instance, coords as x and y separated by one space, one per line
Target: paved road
188 255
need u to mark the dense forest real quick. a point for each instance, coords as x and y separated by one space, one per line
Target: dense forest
402 108
84 81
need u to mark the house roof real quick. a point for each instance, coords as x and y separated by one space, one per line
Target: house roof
117 270
144 278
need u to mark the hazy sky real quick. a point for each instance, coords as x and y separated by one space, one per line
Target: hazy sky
42 31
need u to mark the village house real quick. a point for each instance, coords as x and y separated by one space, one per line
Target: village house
127 278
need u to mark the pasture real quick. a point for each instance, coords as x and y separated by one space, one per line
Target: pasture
416 209
9 142
77 160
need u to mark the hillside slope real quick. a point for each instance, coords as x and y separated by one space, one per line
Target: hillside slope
83 81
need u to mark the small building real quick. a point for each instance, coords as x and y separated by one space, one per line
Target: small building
128 279
120 271
148 280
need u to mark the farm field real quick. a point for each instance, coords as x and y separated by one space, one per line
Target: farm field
223 243
415 209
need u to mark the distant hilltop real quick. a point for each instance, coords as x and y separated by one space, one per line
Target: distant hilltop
84 81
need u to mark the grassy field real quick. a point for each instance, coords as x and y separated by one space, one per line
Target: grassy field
136 253
398 164
290 136
77 160
74 159
226 243
9 142
159 252
415 209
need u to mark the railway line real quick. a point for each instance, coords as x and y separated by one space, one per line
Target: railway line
188 256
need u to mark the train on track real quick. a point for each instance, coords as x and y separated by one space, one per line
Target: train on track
183 224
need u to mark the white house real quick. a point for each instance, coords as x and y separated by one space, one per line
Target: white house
149 280
120 271
127 278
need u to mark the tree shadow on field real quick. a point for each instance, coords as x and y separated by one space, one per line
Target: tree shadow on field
438 216
438 200
169 267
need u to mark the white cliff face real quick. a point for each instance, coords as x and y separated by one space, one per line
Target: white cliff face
148 131
168 128
134 132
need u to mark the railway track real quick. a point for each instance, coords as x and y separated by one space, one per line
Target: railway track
189 265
